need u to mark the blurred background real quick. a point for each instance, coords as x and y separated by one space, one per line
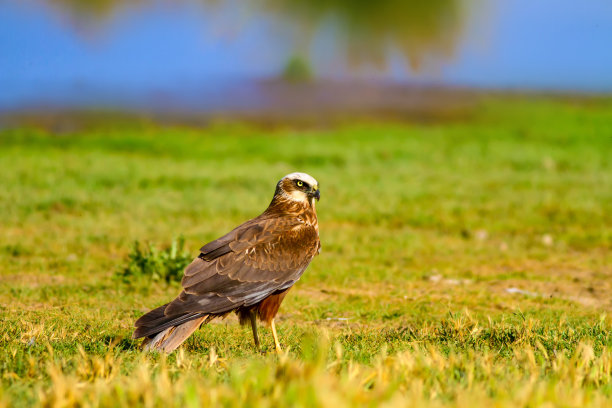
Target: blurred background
288 56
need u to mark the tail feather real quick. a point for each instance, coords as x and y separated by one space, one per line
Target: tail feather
165 333
172 337
151 329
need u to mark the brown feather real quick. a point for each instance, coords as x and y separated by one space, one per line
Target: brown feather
268 308
169 339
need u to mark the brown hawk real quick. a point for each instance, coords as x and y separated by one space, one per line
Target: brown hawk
247 271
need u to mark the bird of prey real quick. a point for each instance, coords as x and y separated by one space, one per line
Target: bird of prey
247 271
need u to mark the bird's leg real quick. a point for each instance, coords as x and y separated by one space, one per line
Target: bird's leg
253 317
276 343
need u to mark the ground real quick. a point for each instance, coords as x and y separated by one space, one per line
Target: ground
466 261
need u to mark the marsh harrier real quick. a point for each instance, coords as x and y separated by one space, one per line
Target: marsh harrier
247 271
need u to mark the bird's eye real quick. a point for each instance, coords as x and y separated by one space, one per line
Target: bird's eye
300 183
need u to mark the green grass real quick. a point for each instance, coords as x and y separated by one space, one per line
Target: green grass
424 228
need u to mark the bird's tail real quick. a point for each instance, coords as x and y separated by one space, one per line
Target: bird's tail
166 333
172 337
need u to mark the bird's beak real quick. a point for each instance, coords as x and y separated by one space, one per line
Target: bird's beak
317 193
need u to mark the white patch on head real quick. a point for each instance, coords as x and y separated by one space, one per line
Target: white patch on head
298 195
304 177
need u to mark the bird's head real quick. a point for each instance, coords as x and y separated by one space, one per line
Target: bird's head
299 187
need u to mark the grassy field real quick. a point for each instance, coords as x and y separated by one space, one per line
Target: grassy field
465 262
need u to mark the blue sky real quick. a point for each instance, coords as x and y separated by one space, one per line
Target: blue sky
46 55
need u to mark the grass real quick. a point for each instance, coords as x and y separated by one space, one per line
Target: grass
464 262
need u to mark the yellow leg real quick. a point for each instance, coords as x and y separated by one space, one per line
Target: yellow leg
276 343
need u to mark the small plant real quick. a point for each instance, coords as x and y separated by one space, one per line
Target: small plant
155 264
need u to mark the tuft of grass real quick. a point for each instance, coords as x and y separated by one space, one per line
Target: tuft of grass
148 263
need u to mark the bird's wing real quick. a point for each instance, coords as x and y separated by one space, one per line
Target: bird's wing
245 266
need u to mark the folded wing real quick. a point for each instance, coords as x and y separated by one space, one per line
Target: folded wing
245 266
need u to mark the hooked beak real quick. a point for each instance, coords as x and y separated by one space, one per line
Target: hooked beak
317 193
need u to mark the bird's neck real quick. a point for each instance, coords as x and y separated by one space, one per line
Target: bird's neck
282 205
